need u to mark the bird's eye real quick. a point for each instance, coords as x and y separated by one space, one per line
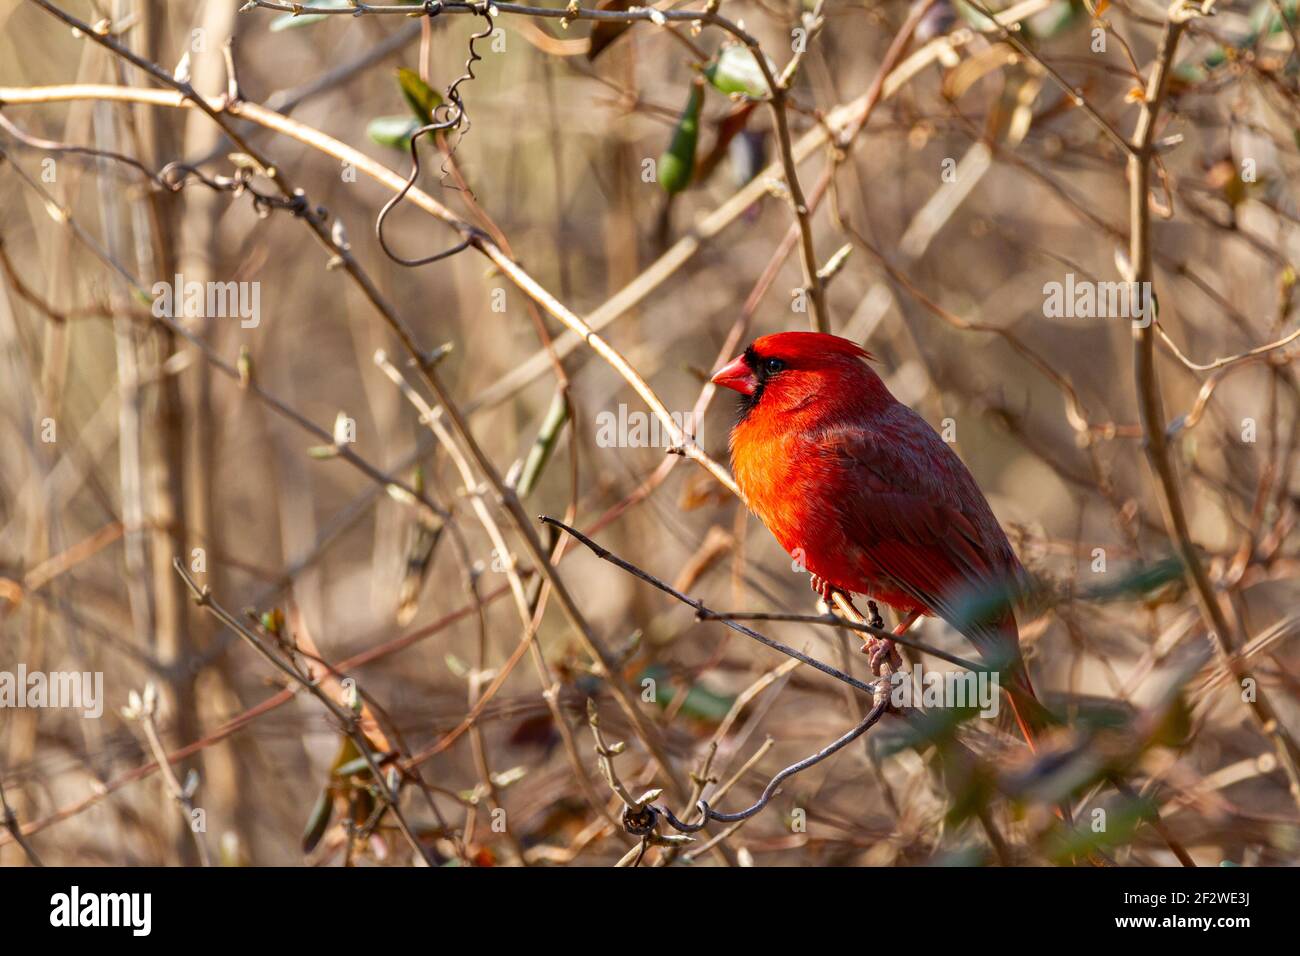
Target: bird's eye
773 365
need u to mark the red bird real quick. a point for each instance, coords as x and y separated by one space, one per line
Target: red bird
860 489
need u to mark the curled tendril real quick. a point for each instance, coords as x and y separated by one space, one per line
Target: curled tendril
450 115
640 822
176 175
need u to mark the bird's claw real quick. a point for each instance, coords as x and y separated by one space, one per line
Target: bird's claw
878 651
824 589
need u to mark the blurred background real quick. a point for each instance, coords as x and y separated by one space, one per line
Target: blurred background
613 165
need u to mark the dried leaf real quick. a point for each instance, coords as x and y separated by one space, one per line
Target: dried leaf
728 128
606 32
974 68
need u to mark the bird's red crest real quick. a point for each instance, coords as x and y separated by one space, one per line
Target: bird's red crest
793 346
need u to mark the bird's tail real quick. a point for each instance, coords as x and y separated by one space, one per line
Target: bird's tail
999 644
1032 718
1030 715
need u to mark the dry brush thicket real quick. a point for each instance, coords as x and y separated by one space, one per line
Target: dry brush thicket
391 659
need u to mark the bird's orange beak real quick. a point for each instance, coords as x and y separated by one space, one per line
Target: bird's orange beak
737 375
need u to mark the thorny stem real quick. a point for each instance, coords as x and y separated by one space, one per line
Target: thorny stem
296 199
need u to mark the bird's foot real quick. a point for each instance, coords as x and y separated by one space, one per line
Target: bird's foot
824 589
878 651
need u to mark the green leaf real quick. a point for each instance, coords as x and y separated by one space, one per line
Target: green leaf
1136 583
1264 18
736 71
1122 819
971 790
319 820
1215 58
291 21
395 131
1055 777
677 165
700 703
360 767
420 96
935 725
1190 74
540 453
963 857
1091 714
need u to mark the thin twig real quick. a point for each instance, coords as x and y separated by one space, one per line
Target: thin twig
347 720
143 707
15 830
1151 405
607 555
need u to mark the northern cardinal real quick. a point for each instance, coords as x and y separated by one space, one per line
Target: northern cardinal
861 490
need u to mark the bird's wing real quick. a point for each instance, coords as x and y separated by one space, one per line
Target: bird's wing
910 503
